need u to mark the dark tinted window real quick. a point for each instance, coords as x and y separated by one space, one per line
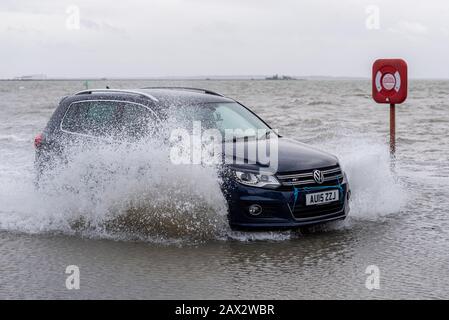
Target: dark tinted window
137 121
106 118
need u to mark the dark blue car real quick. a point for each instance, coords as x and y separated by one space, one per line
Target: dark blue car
305 187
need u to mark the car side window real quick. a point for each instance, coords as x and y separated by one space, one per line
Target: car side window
107 118
95 118
137 121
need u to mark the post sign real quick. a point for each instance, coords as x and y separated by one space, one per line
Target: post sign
390 86
390 81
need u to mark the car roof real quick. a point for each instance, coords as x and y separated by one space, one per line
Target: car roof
183 94
165 95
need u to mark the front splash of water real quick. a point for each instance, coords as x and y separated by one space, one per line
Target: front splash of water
120 189
133 191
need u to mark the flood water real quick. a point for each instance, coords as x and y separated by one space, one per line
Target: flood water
399 219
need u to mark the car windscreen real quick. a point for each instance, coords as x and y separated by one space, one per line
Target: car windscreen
223 116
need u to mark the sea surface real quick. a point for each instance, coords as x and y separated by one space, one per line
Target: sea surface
167 242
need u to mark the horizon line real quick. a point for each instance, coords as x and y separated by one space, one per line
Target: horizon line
199 77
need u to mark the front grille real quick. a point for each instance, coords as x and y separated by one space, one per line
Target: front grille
332 176
302 212
304 183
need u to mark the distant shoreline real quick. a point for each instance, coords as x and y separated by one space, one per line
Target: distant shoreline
312 78
189 79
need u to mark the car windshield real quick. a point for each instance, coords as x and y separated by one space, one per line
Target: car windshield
232 119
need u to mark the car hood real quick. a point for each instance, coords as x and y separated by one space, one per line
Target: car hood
292 156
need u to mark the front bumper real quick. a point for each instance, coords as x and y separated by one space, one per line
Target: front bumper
280 210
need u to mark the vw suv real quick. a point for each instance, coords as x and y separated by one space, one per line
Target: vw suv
307 188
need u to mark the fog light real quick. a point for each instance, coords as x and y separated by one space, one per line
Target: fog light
348 194
255 210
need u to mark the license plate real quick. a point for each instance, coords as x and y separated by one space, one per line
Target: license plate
322 197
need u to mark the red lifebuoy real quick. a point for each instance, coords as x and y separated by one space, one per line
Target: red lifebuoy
390 81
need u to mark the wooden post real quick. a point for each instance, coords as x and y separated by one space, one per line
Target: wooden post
392 129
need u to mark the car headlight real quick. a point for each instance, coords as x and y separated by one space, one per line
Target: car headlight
261 180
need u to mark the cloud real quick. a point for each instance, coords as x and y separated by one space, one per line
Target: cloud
219 37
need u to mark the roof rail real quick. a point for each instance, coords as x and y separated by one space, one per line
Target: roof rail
206 91
90 91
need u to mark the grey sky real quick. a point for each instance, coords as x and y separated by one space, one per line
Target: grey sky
221 37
